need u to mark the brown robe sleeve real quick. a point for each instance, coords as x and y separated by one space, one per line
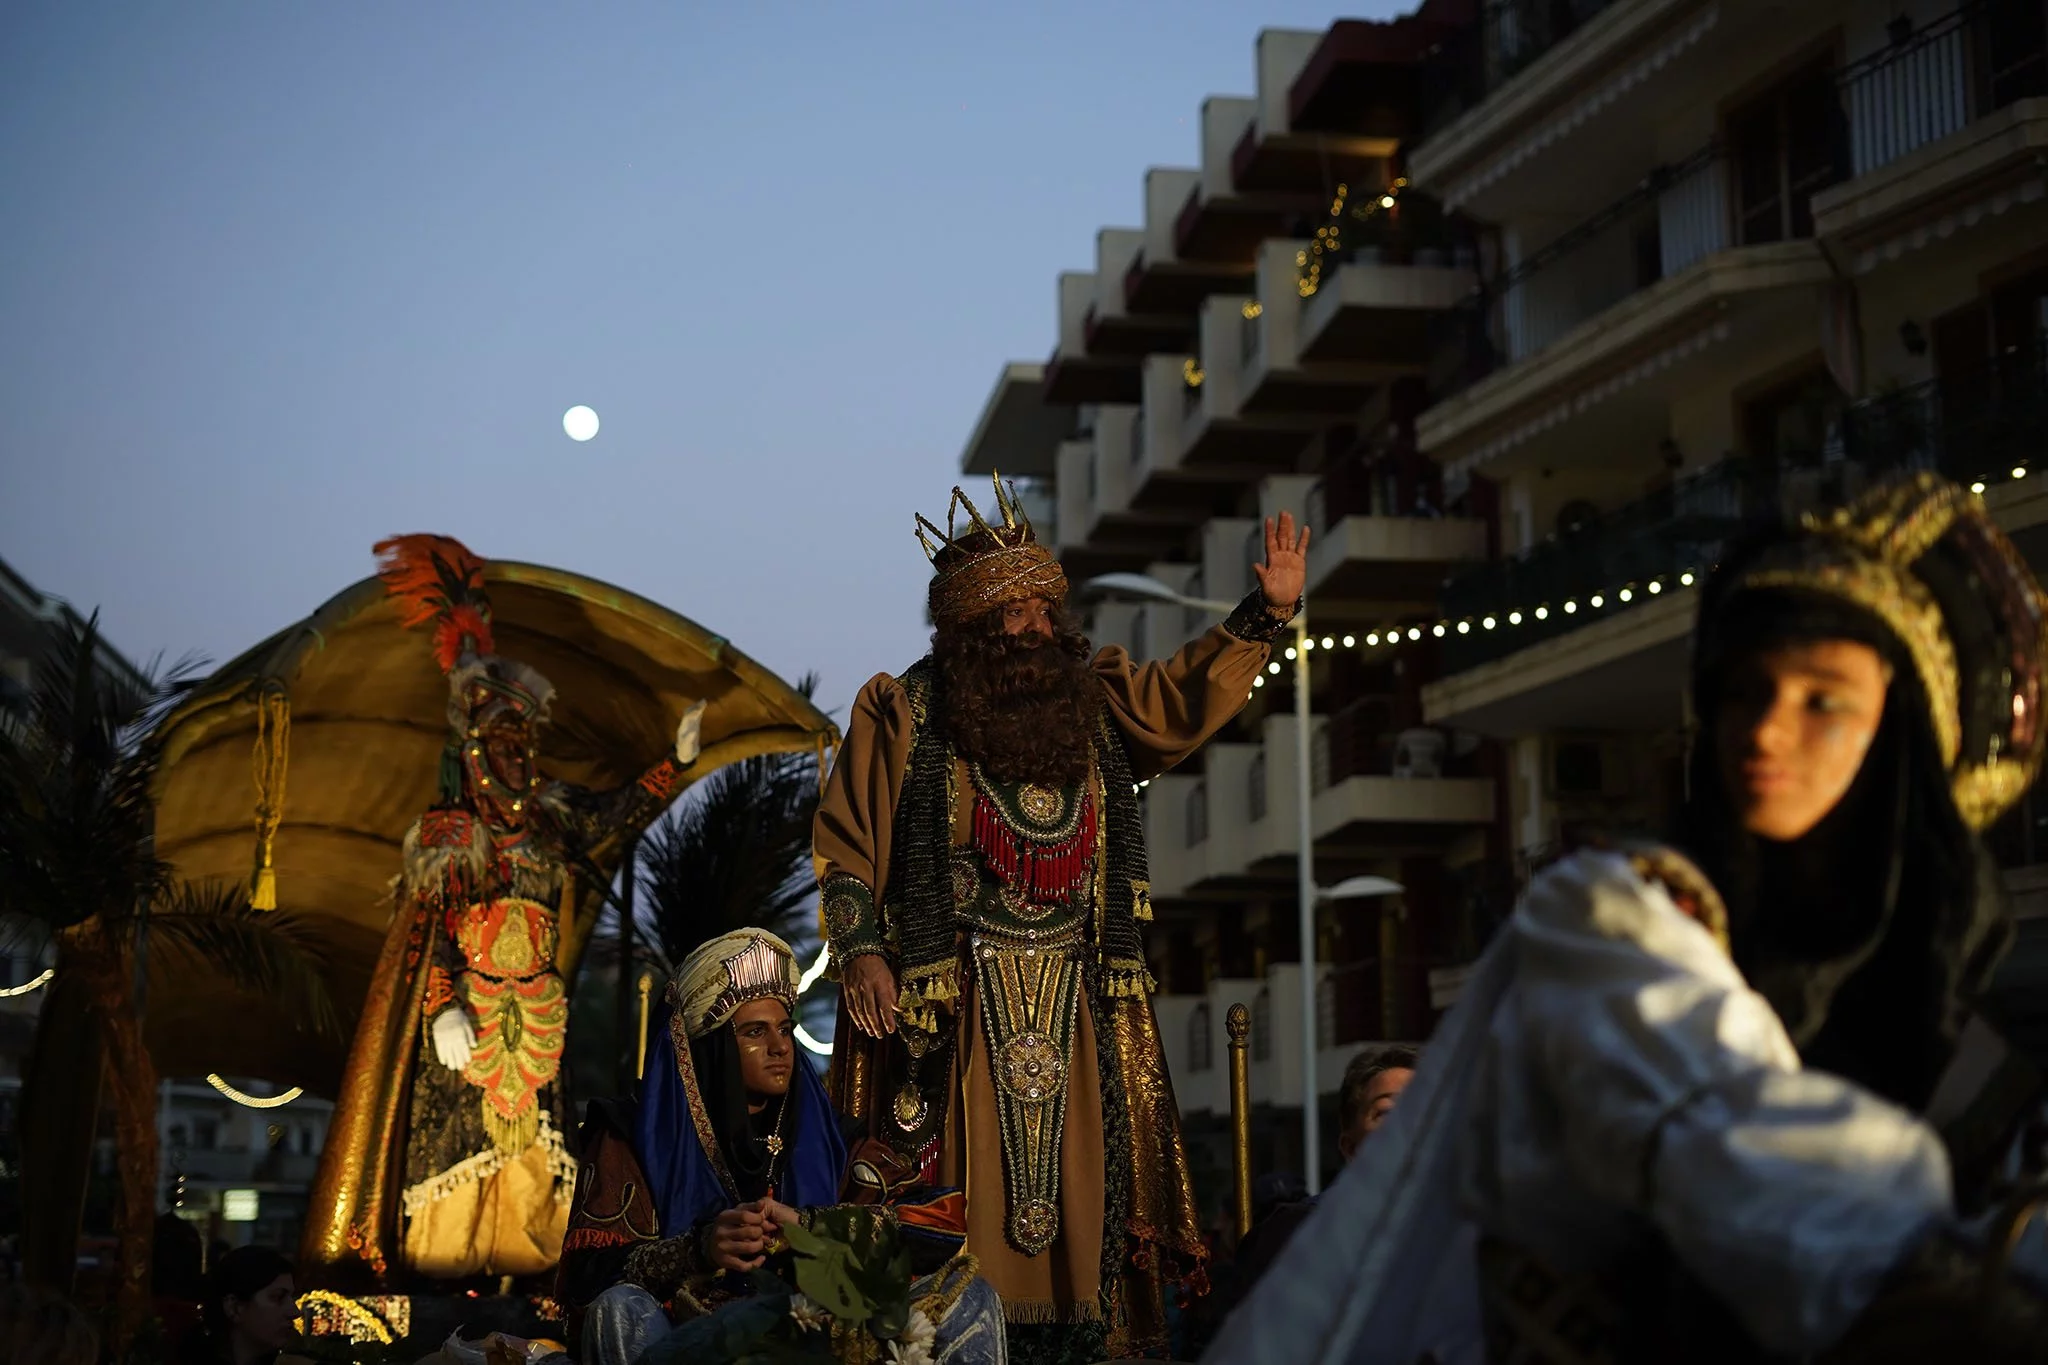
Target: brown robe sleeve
857 814
1168 709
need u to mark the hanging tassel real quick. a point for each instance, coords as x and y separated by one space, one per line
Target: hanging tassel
273 738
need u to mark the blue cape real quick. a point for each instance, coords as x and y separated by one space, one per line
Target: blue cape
683 1181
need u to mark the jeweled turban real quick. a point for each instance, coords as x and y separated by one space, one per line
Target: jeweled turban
979 567
729 971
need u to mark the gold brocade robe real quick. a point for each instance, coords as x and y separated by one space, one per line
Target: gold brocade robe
1164 711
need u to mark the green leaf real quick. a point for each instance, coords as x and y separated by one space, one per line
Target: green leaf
803 1241
827 1279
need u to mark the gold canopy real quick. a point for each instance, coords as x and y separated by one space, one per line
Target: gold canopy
367 713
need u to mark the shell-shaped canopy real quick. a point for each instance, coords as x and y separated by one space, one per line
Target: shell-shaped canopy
368 722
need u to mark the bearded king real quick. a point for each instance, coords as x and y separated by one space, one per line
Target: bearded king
984 891
447 1152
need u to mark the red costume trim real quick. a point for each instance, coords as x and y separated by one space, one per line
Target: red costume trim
1045 873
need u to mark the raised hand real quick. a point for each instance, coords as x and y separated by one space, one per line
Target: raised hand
1285 572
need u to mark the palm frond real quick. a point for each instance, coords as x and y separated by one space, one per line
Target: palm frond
734 853
270 953
76 772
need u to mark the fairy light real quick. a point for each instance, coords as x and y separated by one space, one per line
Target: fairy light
1978 489
1570 608
1415 632
1308 642
1437 630
1625 595
1373 639
1290 651
1515 618
1273 669
2019 471
1543 613
1350 640
1252 309
1191 373
1685 578
1487 623
1329 238
1656 586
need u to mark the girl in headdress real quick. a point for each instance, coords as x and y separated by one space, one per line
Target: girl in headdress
733 1139
1739 1106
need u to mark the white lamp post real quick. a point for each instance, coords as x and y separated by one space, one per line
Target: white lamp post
1308 893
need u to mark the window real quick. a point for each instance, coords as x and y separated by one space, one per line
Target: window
2014 55
1787 146
1198 814
1201 1038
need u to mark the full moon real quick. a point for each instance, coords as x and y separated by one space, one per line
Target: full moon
580 422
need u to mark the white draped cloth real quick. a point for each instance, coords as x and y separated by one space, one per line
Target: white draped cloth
1606 1081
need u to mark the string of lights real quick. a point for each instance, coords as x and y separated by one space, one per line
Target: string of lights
1330 238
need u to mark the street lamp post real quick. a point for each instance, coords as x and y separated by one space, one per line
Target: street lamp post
1308 895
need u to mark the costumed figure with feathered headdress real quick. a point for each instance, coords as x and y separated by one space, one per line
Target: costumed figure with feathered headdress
982 861
684 1197
1755 1101
447 1156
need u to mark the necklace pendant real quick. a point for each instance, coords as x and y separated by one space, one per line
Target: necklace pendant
774 1144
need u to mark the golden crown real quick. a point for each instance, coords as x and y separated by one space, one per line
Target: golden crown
714 981
979 567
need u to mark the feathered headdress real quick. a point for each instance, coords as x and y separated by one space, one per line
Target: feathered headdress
979 567
439 580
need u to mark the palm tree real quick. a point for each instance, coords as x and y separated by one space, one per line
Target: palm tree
734 853
79 874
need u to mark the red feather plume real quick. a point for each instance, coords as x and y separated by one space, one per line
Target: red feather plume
438 580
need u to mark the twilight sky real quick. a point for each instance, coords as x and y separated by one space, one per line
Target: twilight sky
281 279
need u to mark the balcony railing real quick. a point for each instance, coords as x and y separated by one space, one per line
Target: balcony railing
1967 427
1927 83
1518 32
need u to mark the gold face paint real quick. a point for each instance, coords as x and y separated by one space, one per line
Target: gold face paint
766 1036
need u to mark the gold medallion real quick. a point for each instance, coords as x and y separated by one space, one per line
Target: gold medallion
1030 1068
909 1108
1033 1225
1042 804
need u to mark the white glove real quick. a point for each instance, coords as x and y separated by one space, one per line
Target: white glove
689 738
454 1037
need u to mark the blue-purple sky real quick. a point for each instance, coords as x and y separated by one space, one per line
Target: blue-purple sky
282 278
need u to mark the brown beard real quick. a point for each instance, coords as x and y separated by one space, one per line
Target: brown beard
1023 707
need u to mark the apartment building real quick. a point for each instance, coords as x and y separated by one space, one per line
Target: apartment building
1261 343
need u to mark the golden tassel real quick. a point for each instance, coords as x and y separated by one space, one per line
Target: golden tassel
273 741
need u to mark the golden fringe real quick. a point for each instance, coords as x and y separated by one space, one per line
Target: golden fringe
1141 901
273 739
949 1283
513 1135
485 1164
1044 1312
1127 981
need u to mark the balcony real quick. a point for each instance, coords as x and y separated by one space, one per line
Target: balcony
1097 529
1272 157
1074 375
1371 78
1159 281
1234 829
1018 432
1947 127
1276 379
1220 223
1112 328
1204 424
1381 282
1197 1050
1364 563
1574 92
1603 325
1589 628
